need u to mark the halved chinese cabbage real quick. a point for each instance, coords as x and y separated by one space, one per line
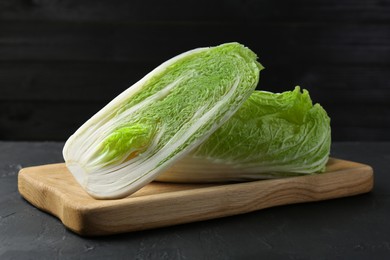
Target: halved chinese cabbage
272 135
160 119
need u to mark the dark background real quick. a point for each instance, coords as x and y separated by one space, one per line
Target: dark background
62 60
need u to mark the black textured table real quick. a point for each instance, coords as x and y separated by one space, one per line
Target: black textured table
348 228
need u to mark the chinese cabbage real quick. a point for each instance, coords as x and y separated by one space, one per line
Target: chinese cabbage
272 135
160 119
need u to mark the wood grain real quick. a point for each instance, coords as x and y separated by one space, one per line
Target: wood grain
52 188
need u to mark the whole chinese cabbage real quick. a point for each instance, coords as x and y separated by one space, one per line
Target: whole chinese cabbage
272 135
160 119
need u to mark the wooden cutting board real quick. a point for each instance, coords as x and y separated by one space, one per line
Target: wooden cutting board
52 188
